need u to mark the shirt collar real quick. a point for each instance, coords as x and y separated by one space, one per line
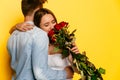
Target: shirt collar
30 22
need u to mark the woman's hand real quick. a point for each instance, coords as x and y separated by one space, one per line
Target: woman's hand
24 26
69 72
75 49
21 27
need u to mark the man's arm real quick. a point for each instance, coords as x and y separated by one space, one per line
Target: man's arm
40 60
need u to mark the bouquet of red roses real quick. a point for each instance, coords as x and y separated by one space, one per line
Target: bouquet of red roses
61 37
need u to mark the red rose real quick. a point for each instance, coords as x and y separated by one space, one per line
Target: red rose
51 36
53 39
57 27
60 25
63 24
51 33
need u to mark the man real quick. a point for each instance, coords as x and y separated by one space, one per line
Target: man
29 50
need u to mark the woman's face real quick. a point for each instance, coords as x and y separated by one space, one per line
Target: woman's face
47 22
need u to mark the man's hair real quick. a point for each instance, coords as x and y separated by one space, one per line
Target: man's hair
28 6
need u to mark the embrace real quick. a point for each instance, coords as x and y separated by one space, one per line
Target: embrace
32 56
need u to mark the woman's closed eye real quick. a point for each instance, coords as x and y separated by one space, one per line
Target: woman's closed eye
53 22
46 24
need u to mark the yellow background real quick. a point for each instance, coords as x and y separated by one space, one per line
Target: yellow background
98 31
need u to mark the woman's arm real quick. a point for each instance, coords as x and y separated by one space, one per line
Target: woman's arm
54 49
21 27
76 51
12 29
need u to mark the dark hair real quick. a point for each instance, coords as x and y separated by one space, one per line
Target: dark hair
28 6
40 13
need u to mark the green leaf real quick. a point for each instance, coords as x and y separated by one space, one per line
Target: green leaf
56 49
94 77
83 65
101 70
65 53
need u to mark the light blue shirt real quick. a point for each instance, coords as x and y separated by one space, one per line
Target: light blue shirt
29 56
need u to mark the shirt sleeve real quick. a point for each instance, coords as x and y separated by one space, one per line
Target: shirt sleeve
40 60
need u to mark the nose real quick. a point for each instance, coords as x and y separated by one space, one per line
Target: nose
51 26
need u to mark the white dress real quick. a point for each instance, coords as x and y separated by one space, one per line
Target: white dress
57 63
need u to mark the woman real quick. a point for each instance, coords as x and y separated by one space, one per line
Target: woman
46 20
